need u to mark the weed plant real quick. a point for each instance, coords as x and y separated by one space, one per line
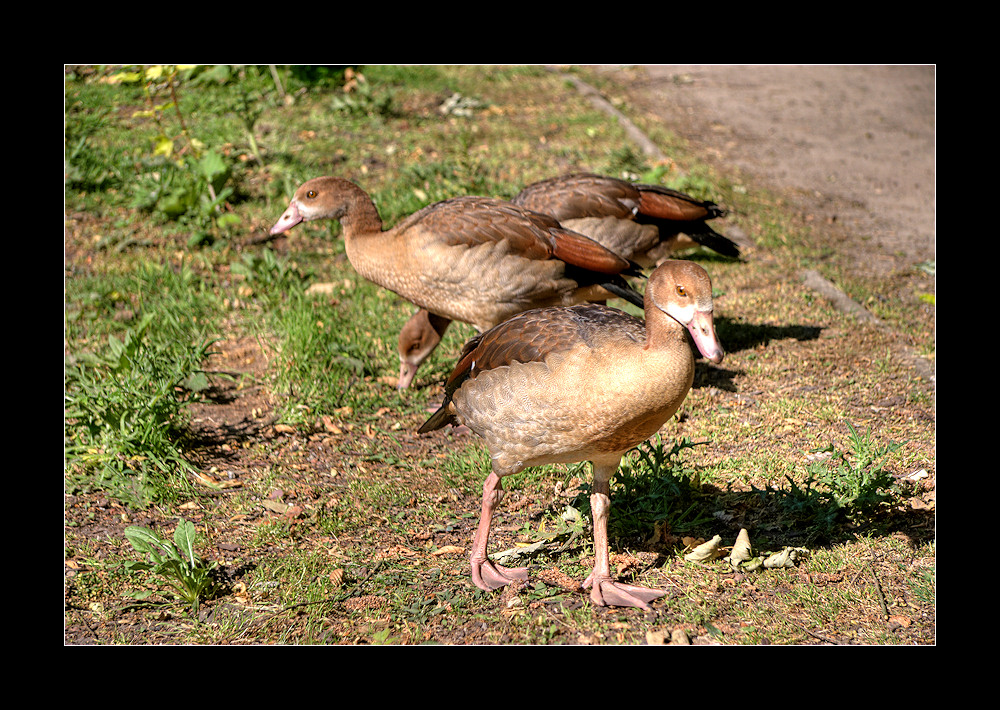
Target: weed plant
124 413
125 396
179 569
851 487
654 485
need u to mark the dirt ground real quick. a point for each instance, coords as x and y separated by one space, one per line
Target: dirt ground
852 145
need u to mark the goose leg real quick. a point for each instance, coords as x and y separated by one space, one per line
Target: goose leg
605 591
418 338
486 574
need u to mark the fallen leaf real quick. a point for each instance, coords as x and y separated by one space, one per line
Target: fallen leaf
560 579
448 550
785 558
274 505
898 620
212 482
329 426
741 550
239 591
516 552
679 637
706 551
205 480
321 288
656 638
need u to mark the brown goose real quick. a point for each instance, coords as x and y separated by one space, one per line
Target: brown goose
582 383
641 222
478 260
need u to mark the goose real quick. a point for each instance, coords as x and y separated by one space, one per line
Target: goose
642 223
477 260
645 223
579 383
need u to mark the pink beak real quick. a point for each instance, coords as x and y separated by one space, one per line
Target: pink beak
702 329
289 219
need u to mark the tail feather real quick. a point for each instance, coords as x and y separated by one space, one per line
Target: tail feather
625 292
442 417
708 237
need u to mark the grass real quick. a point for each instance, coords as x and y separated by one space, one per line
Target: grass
160 276
125 398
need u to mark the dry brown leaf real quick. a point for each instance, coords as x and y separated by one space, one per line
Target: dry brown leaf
656 638
275 505
448 550
205 480
212 482
329 426
322 289
368 601
679 637
558 578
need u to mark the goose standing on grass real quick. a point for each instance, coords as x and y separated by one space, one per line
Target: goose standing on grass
478 260
584 383
645 223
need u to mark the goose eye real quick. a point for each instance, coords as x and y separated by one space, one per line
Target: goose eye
681 291
311 194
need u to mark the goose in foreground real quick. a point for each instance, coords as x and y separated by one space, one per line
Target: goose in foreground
645 223
580 383
478 260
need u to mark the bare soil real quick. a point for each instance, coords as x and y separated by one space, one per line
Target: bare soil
851 149
853 145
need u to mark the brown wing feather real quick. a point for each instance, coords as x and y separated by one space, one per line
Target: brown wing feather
580 195
477 220
471 220
585 196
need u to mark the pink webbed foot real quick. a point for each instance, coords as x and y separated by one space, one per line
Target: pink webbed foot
607 592
489 576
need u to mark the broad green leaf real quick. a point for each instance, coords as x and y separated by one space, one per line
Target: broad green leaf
184 537
212 164
143 540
